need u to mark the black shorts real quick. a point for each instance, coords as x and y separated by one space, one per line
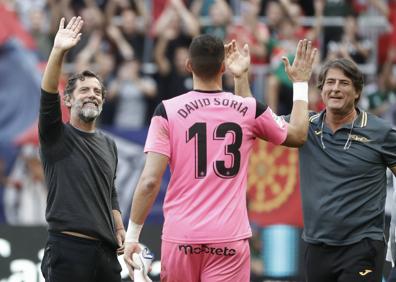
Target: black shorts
69 258
362 261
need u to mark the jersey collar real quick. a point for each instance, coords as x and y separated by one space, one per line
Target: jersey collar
360 122
208 91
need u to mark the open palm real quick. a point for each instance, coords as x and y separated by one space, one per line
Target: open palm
236 62
301 69
67 37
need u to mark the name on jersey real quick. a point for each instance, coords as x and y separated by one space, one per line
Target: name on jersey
215 101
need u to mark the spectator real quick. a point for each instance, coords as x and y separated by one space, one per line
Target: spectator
350 44
173 78
282 43
219 13
381 94
26 193
279 86
93 23
178 18
339 8
274 14
251 31
131 28
132 91
105 68
39 30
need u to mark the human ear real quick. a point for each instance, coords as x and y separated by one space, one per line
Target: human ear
66 100
188 66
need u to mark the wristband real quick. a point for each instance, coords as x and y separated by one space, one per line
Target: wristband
300 91
133 232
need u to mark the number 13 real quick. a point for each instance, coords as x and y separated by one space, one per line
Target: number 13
198 130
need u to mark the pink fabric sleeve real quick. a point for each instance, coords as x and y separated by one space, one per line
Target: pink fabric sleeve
158 137
271 127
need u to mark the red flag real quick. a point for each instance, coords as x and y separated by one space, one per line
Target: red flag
11 27
273 186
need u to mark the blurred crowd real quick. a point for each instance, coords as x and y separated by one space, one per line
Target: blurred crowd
139 46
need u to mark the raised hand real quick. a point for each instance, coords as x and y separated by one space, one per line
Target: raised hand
67 37
236 62
301 69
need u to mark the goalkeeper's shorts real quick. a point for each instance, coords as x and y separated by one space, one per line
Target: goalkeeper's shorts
229 261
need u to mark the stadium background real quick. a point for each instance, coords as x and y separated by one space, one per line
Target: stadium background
138 47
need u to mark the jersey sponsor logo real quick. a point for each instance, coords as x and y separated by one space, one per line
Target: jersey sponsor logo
359 138
204 249
365 272
197 104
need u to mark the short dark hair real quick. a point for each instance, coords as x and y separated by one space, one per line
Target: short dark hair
206 54
349 68
71 83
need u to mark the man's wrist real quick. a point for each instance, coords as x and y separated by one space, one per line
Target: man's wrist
58 50
133 232
300 91
242 75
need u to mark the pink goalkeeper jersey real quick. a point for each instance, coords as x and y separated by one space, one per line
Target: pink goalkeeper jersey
208 137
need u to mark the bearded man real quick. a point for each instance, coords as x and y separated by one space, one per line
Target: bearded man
84 222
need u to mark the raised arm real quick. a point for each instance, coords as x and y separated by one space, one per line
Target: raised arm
123 46
299 73
190 22
238 64
65 39
160 58
85 56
